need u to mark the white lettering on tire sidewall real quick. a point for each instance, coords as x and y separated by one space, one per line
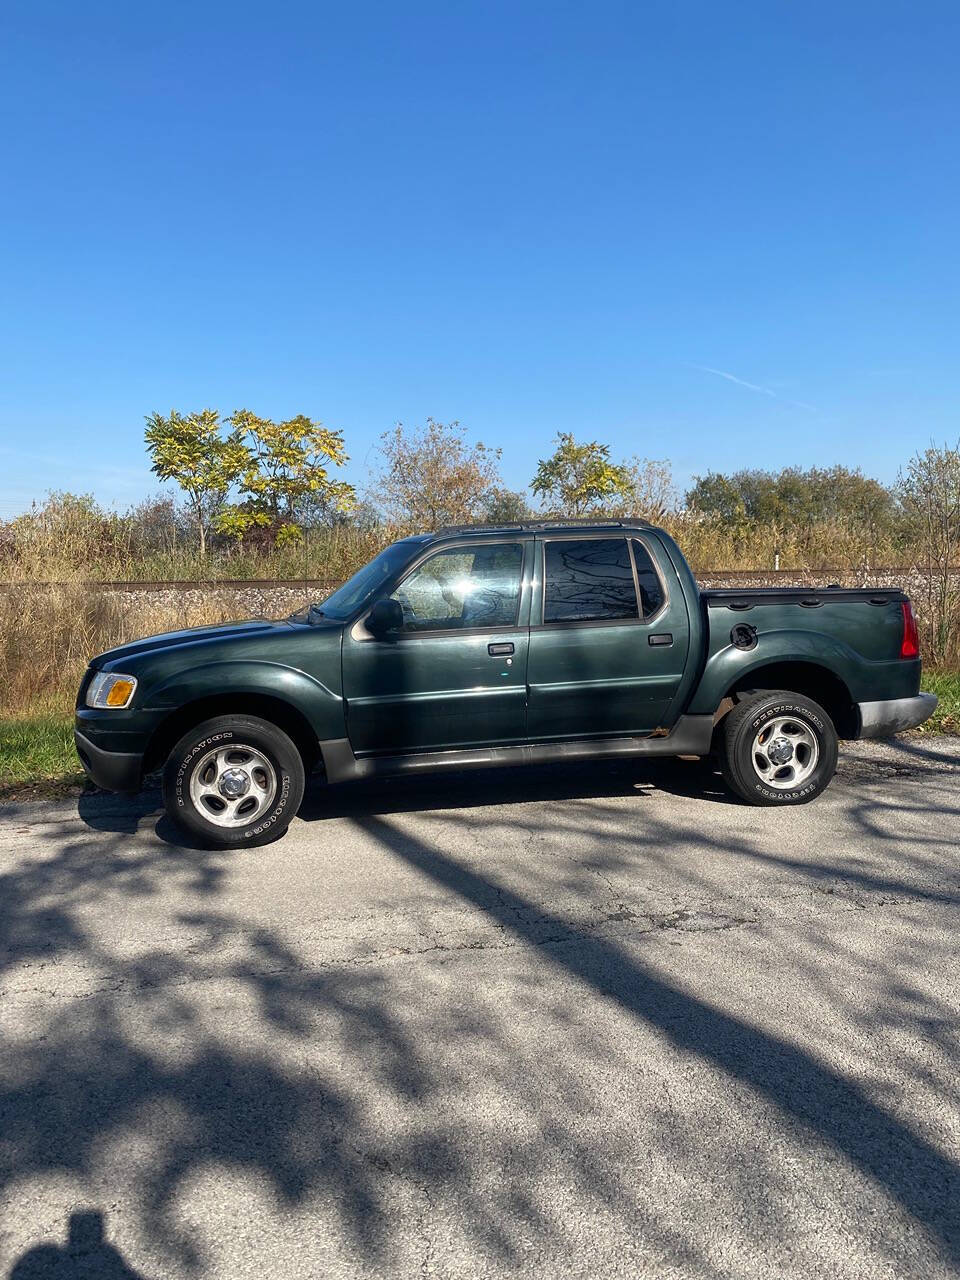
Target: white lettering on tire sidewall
784 708
267 823
191 755
804 713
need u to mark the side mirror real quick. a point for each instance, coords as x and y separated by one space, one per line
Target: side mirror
385 616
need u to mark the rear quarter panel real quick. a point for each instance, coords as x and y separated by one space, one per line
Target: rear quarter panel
856 641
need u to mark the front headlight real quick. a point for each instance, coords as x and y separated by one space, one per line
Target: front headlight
111 689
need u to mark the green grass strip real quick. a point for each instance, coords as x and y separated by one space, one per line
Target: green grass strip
38 751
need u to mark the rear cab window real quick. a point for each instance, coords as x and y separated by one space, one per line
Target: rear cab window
652 594
599 580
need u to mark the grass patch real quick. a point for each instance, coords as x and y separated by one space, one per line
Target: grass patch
37 755
946 685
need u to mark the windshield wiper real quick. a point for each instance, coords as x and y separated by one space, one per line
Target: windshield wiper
306 613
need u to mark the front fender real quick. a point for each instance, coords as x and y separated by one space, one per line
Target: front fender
322 706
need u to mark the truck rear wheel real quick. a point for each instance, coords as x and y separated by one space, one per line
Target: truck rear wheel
235 782
778 748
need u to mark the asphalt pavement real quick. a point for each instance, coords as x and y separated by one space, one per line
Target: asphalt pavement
587 1021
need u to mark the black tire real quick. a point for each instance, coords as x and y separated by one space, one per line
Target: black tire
255 748
797 780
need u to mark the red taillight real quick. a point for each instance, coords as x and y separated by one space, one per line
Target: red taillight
910 644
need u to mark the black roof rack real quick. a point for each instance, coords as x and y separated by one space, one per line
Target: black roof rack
532 526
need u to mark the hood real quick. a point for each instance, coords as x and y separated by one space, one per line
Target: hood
227 634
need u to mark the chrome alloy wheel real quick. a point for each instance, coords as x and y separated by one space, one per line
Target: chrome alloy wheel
232 786
785 753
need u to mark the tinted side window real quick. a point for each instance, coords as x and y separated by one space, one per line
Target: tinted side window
651 589
588 579
459 588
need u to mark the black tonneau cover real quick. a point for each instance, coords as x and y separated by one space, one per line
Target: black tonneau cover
808 597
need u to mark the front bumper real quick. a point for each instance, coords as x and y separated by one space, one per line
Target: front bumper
111 770
882 719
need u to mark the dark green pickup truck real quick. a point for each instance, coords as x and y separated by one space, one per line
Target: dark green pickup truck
492 646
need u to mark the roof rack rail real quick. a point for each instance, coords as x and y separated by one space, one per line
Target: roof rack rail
531 526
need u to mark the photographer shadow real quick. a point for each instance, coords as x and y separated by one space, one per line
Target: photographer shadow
85 1256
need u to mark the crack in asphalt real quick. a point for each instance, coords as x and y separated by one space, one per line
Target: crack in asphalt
683 920
383 1164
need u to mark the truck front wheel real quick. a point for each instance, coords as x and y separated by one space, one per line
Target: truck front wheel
777 748
234 782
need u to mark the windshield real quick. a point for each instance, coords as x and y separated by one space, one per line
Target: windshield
363 586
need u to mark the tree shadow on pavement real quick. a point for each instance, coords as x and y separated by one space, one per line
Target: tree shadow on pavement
922 1179
385 1088
919 749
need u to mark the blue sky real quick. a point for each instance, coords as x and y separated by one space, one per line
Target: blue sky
719 233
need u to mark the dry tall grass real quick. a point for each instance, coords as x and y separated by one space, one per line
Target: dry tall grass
712 544
64 543
47 638
71 549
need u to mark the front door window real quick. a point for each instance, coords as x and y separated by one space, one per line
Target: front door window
460 588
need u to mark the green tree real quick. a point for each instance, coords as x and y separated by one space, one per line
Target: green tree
434 476
850 497
505 506
192 450
794 498
718 495
287 467
237 519
578 479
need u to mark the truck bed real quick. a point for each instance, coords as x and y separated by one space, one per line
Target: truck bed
854 633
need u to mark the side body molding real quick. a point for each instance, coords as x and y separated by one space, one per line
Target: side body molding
691 735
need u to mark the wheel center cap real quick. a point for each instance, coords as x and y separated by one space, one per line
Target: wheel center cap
780 751
233 784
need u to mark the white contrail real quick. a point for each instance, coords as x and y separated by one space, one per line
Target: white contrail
753 386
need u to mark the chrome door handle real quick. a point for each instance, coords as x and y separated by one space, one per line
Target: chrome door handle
499 650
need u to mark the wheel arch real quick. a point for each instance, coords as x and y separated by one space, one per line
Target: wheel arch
275 710
815 681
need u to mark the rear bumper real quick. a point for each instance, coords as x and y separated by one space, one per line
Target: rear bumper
881 719
112 770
